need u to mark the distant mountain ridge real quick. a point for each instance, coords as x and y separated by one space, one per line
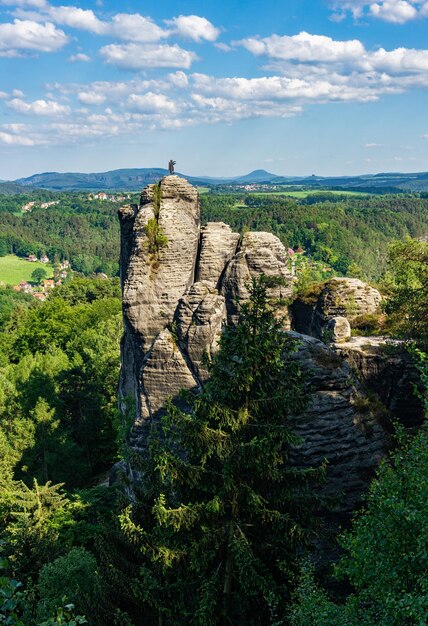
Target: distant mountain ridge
136 178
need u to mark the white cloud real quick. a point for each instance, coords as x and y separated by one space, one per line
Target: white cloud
151 103
224 47
193 27
304 47
273 88
11 139
396 11
80 56
89 97
374 145
135 56
135 27
38 4
83 19
38 107
304 54
26 35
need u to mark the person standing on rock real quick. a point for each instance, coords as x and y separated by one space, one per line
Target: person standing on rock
171 167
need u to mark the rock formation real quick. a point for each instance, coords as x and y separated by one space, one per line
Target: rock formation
337 297
176 298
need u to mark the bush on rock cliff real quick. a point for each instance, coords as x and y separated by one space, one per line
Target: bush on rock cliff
221 512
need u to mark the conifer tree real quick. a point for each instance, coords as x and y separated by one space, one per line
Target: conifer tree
221 512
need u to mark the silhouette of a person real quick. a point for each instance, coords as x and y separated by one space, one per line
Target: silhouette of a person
171 166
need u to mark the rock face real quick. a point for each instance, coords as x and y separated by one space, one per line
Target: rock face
339 424
385 368
338 297
177 298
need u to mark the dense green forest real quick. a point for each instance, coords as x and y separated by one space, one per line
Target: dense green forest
221 530
82 230
349 233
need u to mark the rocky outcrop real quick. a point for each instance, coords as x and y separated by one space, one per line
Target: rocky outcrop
338 297
385 369
339 425
178 296
259 253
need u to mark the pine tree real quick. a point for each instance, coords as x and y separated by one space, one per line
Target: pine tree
221 512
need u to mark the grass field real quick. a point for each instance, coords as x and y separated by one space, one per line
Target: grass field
14 270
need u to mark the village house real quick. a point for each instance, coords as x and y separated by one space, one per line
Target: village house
39 295
32 258
49 283
44 259
25 287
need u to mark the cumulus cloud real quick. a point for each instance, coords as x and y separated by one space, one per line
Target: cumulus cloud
193 27
304 47
37 4
151 103
80 56
324 55
83 19
38 107
15 140
26 35
396 11
135 56
274 88
123 26
135 27
89 97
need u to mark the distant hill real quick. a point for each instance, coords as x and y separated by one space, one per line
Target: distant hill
127 179
115 179
137 178
9 189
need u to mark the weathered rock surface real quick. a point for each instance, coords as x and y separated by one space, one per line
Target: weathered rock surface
338 425
338 297
260 253
386 369
339 328
175 301
164 373
218 246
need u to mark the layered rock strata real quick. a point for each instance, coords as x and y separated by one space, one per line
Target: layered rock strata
178 296
180 292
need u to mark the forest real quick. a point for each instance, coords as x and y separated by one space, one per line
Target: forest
222 528
349 233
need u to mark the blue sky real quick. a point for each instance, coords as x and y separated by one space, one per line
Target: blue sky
222 86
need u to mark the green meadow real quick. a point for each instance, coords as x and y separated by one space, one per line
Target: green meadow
14 270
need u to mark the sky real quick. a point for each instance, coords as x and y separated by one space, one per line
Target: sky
296 87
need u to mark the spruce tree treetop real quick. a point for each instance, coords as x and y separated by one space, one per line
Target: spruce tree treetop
220 511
